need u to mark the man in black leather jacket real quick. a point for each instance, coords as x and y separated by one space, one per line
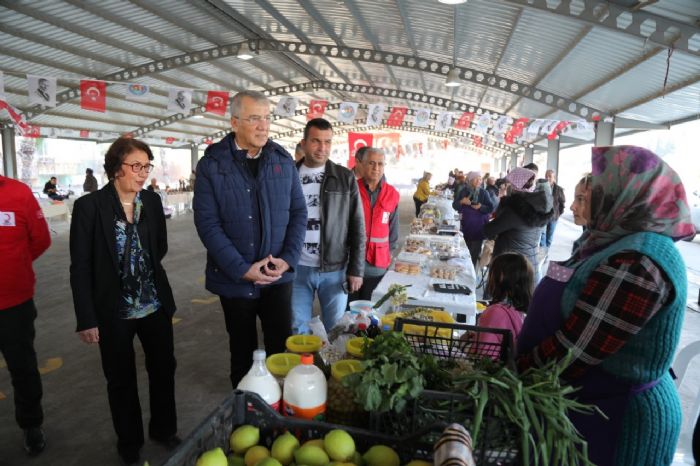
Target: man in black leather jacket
333 254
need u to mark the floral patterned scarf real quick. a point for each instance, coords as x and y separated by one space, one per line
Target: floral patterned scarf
633 190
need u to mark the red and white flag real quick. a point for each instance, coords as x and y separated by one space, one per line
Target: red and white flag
84 133
464 122
169 140
397 116
32 132
93 95
561 126
42 90
316 109
217 102
355 142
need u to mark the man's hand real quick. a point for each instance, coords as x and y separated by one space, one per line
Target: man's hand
476 206
90 335
275 266
465 201
354 283
256 273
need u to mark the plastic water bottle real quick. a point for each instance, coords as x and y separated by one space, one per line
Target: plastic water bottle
259 380
305 391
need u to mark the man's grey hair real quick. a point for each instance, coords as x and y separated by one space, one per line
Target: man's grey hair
375 150
360 154
257 96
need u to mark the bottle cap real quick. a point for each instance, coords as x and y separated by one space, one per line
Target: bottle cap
373 320
386 327
259 355
362 326
307 359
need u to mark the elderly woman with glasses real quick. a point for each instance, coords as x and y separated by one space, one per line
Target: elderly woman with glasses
118 239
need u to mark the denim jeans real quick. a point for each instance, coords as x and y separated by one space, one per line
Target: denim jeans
328 285
547 234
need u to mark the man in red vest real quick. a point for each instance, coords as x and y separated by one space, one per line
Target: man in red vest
380 202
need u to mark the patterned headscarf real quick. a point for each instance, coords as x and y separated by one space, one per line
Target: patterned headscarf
519 176
633 190
471 175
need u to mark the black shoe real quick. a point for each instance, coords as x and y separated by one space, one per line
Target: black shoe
34 441
170 442
129 458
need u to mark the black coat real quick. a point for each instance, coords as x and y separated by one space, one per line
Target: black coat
518 223
94 272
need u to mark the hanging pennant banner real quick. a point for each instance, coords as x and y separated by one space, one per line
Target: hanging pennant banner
375 114
483 122
534 128
421 118
388 142
180 100
42 90
355 142
443 122
32 132
137 92
477 141
169 140
502 124
347 112
519 126
286 106
93 95
397 116
316 109
558 129
465 121
217 102
84 133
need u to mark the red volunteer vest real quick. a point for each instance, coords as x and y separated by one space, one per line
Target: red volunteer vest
377 223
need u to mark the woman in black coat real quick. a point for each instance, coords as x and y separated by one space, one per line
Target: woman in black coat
117 241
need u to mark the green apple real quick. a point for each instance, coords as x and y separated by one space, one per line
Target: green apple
283 448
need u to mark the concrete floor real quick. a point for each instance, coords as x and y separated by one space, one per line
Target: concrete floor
77 420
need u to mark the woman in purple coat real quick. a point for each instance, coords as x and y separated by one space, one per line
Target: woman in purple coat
476 205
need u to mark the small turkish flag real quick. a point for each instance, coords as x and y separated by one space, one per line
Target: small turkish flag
169 140
355 142
557 130
396 116
316 109
216 102
509 137
84 133
93 95
208 141
478 141
464 121
32 131
128 135
519 126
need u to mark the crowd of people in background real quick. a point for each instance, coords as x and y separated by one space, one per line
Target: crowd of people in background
301 227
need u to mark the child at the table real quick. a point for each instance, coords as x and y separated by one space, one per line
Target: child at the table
510 283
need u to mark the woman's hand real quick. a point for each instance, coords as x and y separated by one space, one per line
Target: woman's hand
91 335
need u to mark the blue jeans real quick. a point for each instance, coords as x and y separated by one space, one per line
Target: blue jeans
328 285
547 234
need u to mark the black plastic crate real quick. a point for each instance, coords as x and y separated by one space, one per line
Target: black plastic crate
443 340
248 408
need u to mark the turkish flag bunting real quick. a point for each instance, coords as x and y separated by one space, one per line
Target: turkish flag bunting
169 140
84 133
93 95
519 126
217 102
316 109
128 135
208 141
355 141
558 129
509 137
478 141
396 116
464 121
32 132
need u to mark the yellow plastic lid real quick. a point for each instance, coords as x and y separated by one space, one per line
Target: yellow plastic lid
304 343
281 363
355 346
340 369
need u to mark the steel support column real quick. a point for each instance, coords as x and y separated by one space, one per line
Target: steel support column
9 154
513 160
194 156
604 133
553 155
504 162
529 155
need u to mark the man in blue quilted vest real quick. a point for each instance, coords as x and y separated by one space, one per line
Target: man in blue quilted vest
250 213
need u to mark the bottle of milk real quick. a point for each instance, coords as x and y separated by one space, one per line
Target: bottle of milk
305 391
260 381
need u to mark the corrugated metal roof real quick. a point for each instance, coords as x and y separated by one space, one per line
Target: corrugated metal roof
603 68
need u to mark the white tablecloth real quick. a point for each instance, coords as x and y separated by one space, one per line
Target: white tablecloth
54 210
178 198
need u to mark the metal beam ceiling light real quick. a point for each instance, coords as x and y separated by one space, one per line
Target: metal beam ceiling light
453 75
244 52
452 2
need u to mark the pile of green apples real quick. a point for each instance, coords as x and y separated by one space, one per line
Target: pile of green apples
337 448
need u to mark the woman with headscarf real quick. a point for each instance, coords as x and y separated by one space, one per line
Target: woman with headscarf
422 193
475 206
118 239
616 306
520 216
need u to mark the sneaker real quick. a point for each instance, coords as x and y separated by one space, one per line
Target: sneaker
170 442
34 441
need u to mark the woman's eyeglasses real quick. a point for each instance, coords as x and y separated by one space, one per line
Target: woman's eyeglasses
137 167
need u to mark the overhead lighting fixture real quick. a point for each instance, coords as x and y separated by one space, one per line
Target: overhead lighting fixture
244 53
452 79
452 2
198 116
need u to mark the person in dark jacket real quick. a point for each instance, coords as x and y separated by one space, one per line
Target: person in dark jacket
51 190
118 239
559 202
475 206
332 259
250 214
90 183
493 190
519 219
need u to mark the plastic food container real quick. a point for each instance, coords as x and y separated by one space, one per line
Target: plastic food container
304 344
355 347
407 267
361 305
280 364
